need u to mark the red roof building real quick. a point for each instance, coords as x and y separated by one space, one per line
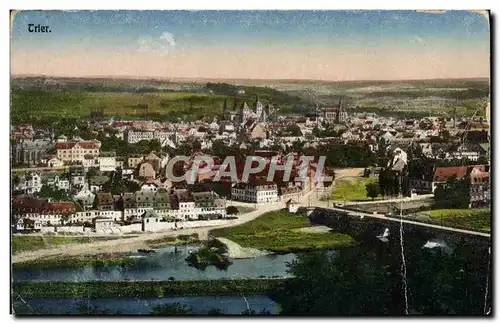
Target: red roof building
441 174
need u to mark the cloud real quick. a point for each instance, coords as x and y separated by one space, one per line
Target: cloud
416 39
169 38
164 44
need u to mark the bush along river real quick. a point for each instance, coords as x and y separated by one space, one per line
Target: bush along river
446 274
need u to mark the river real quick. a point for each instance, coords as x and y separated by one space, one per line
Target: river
441 270
231 305
165 264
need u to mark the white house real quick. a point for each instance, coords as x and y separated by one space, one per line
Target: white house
90 161
90 215
149 186
34 225
55 163
86 197
161 135
62 184
261 193
78 180
186 210
167 142
33 183
106 163
71 151
137 136
102 223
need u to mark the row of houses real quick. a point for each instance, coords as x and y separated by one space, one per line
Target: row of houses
478 177
177 205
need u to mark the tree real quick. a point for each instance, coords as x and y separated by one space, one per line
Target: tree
389 182
115 184
92 172
297 146
454 193
95 204
28 223
46 191
343 288
16 179
292 130
372 190
382 147
232 210
482 160
130 186
49 192
65 217
444 135
219 148
154 145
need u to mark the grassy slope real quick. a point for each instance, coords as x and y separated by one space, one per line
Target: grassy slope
280 232
29 243
169 241
352 190
475 219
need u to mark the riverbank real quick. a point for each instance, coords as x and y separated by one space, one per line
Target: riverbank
133 244
102 260
96 261
170 240
282 232
21 243
144 289
236 251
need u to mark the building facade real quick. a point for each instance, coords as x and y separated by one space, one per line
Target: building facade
262 193
30 151
76 151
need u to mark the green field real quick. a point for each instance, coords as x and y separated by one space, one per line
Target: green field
170 240
474 219
280 232
75 98
29 243
71 104
355 190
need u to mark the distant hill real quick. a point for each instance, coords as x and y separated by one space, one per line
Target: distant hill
38 99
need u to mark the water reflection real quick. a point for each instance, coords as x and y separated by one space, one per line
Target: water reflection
136 306
166 264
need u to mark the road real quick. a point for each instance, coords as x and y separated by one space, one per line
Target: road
391 200
407 221
316 202
45 169
139 242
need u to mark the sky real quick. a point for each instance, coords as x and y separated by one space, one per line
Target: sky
318 45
